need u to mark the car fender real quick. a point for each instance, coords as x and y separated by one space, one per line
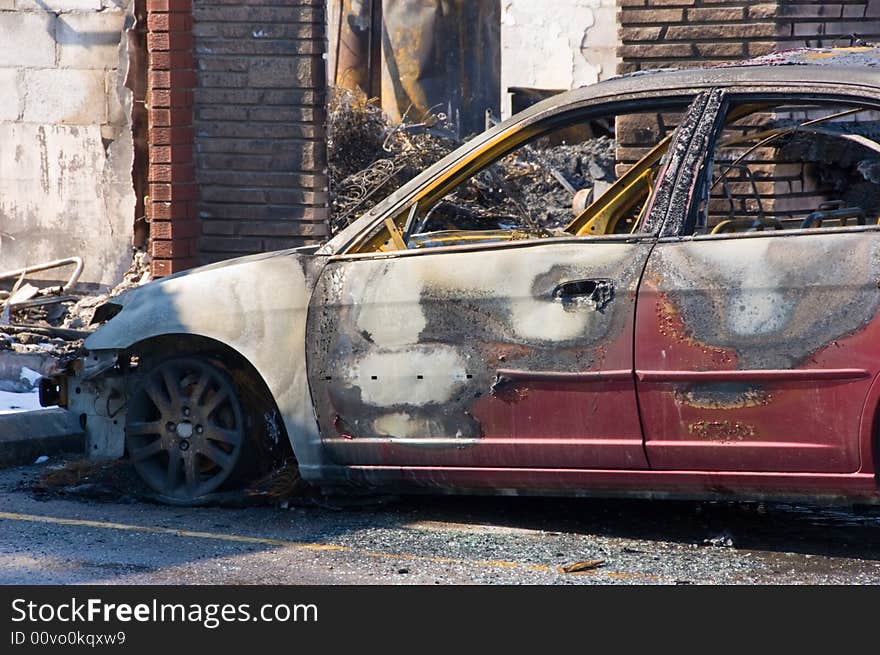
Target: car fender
256 306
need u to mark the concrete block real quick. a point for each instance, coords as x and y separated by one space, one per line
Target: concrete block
27 435
13 363
118 108
65 97
57 6
27 39
89 40
53 177
10 107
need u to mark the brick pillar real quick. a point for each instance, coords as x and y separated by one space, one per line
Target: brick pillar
259 121
173 193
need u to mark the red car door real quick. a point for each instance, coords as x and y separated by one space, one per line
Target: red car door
505 356
515 355
755 349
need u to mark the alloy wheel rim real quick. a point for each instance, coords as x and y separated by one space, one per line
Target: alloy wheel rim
184 429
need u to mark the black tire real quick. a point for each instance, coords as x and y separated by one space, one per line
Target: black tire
190 429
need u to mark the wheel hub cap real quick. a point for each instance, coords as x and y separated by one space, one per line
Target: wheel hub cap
184 430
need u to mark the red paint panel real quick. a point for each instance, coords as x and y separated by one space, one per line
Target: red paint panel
569 424
804 419
526 424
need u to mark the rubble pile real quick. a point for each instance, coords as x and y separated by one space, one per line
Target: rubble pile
79 315
530 188
41 339
582 165
370 158
356 130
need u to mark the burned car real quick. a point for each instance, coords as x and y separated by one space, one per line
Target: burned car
699 322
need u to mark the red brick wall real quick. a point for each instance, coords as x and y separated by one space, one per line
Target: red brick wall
661 33
235 97
171 77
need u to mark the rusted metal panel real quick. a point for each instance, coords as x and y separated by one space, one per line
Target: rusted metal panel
416 55
355 38
470 358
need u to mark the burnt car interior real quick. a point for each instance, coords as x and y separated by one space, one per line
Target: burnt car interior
793 166
581 177
776 165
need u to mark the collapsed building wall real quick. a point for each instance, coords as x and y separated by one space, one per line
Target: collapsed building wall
66 150
573 45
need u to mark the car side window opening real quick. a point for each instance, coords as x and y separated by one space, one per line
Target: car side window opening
792 166
587 177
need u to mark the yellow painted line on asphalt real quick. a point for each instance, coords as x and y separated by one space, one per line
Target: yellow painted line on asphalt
33 518
305 546
104 525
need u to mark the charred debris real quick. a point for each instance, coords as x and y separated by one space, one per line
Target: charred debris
43 327
370 157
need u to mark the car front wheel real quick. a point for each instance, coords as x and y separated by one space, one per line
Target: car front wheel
185 428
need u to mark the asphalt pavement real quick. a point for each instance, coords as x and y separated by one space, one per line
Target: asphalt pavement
52 538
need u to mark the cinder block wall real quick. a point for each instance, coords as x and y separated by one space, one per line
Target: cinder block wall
66 150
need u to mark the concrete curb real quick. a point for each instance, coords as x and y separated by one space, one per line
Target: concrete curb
24 436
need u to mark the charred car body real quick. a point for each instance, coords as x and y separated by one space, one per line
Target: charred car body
706 324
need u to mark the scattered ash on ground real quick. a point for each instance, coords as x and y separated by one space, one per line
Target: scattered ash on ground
84 479
103 480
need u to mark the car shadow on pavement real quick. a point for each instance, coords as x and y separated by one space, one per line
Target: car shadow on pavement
775 527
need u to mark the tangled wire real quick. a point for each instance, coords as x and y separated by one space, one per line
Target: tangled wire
369 158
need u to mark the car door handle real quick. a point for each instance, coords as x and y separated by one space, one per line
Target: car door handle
597 292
